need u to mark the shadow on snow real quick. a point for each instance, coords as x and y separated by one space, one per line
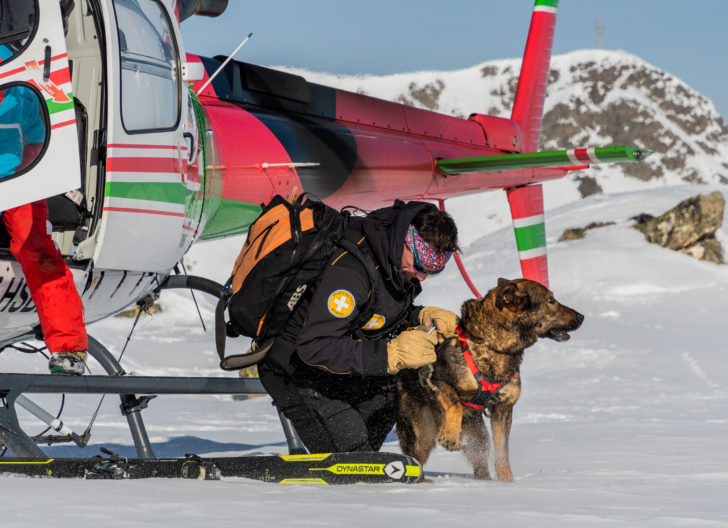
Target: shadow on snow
174 447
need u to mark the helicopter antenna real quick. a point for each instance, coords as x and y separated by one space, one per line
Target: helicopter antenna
600 27
246 39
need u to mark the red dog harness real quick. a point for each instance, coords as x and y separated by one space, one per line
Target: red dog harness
488 388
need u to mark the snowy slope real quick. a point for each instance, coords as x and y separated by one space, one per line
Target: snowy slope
623 425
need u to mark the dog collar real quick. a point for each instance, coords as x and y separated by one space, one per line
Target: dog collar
488 388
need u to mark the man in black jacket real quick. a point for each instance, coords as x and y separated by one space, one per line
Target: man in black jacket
332 370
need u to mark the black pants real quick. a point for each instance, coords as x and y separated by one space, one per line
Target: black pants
331 413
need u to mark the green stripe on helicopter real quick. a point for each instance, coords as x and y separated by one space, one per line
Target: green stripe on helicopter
174 193
546 4
539 160
530 237
54 108
227 218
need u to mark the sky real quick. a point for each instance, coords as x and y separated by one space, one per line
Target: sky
687 39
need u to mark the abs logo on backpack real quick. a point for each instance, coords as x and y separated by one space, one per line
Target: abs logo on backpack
293 301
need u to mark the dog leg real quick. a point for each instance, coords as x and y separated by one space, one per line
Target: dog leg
424 439
500 422
449 436
417 428
476 443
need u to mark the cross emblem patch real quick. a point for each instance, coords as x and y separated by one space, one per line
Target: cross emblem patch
375 323
341 303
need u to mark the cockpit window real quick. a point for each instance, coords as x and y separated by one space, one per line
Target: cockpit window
17 23
150 84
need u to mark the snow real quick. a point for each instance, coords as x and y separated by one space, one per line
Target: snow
623 425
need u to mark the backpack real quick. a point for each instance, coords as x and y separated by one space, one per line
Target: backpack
287 249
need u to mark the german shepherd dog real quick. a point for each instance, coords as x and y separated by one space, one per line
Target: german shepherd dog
448 406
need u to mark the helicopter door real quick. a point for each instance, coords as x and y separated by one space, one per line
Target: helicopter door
145 226
39 154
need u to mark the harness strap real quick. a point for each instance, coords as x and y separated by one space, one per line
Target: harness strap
488 388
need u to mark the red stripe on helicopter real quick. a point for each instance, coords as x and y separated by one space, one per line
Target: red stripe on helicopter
144 211
147 146
22 68
12 72
61 76
171 165
536 269
193 174
529 202
61 56
582 155
65 123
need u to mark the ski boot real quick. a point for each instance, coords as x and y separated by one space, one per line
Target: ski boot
71 363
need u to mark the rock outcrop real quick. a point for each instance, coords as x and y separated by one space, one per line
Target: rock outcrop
576 233
689 227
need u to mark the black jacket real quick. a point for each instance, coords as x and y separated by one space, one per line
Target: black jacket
341 327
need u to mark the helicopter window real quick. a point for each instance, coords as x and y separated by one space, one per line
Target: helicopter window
150 84
17 23
23 129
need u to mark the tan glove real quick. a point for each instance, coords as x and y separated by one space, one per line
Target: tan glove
411 349
444 320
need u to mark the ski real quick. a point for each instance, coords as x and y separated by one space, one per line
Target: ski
319 468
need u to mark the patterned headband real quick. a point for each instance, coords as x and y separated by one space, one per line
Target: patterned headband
427 258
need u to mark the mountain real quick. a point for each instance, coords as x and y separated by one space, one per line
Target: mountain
595 98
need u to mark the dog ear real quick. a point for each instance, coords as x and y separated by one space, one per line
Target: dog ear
504 295
466 310
511 297
502 281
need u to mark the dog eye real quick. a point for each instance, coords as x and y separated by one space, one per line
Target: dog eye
551 300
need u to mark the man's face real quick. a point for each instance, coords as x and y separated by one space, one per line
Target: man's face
408 266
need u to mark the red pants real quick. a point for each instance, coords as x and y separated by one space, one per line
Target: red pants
49 280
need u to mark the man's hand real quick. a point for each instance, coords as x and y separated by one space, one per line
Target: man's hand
411 349
444 320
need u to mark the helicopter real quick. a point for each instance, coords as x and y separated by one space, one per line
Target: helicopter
149 149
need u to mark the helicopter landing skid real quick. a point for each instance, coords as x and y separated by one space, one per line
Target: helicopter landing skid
13 388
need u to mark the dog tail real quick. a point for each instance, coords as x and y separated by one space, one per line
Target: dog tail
527 202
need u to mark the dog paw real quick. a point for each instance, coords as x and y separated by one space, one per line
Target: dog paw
450 441
482 475
504 473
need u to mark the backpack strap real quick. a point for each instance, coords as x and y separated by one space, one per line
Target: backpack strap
371 271
222 329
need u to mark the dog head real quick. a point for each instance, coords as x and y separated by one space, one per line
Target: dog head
516 313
